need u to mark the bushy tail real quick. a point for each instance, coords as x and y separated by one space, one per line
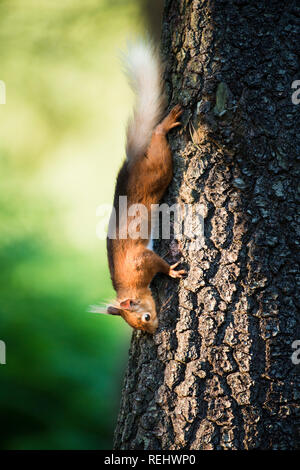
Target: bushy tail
144 71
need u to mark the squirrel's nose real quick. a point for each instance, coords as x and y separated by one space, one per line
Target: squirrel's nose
153 327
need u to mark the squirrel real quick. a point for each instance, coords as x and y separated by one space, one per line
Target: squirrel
143 179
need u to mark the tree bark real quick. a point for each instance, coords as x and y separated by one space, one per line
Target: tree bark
218 373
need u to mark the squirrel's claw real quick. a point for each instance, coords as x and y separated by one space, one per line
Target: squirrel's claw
176 274
175 124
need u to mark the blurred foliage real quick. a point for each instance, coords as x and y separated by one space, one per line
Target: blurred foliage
61 143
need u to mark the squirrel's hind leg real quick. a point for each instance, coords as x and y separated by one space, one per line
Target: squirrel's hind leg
170 121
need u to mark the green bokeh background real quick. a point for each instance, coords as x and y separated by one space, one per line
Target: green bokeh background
61 142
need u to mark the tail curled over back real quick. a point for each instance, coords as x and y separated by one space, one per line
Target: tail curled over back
144 71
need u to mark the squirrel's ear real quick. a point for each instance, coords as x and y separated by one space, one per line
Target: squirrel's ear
113 310
127 304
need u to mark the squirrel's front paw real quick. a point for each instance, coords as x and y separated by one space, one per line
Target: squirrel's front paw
176 274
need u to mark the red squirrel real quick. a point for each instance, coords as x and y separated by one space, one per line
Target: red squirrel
143 178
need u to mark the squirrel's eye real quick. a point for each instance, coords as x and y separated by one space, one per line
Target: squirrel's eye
146 317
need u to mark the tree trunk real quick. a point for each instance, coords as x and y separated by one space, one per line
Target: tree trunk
218 373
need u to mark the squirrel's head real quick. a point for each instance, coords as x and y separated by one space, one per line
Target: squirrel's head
140 313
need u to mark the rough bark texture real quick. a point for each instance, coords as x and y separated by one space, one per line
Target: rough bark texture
218 373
